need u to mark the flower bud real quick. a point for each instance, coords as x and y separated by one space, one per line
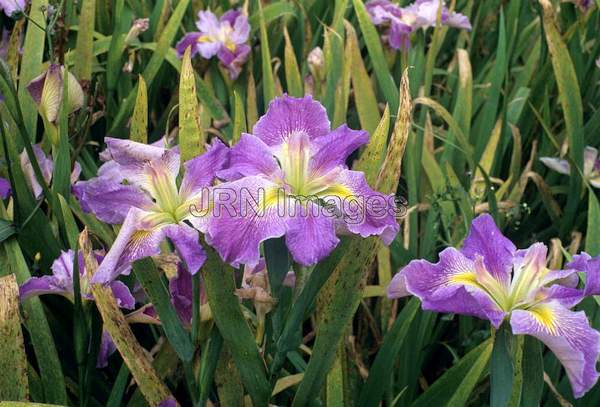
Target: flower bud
47 92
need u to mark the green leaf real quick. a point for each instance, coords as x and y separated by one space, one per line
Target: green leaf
292 72
592 238
290 339
239 118
270 13
334 55
208 364
278 262
158 56
191 134
371 37
501 369
570 101
486 119
449 385
31 63
265 54
371 158
342 296
7 229
139 121
376 384
152 282
364 95
533 373
85 41
146 377
225 307
40 335
13 385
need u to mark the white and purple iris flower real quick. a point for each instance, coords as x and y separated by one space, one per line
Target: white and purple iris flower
289 178
137 186
224 37
400 22
11 7
591 165
490 279
61 282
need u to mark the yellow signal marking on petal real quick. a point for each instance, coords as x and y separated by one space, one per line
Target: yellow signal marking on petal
138 237
205 38
544 315
465 278
337 190
230 45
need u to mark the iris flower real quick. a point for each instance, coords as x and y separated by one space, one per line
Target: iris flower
490 279
591 165
137 186
290 178
402 21
225 37
61 282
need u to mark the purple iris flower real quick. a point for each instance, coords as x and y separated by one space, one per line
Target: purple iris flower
11 7
591 165
490 279
400 22
225 37
290 178
137 186
61 282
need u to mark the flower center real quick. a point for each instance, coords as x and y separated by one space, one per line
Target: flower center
294 158
222 35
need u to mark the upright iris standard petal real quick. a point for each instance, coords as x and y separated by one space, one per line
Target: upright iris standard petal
490 279
137 186
250 156
288 115
486 240
290 178
225 38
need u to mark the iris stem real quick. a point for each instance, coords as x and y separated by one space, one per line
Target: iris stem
196 317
